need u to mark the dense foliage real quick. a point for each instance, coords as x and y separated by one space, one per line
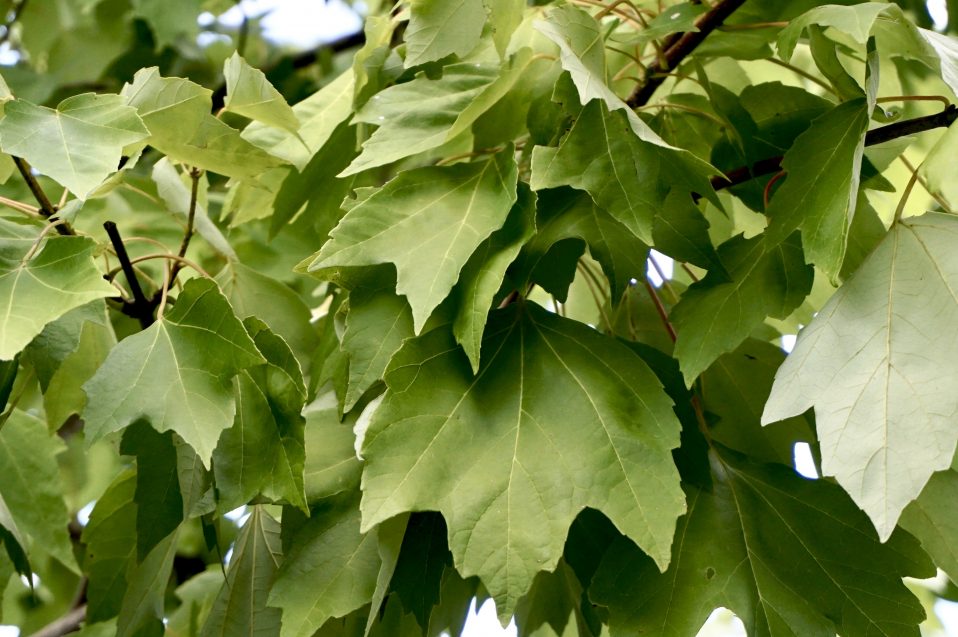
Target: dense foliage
337 346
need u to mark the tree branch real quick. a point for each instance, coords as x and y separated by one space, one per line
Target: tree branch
47 209
64 625
873 137
142 307
190 220
681 48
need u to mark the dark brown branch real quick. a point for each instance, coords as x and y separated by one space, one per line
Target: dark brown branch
190 221
47 209
64 625
682 47
142 307
873 137
14 17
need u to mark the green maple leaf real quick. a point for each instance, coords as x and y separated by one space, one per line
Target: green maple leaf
932 519
192 352
559 418
78 144
790 557
717 314
249 93
240 606
331 463
330 571
438 28
874 366
427 222
110 554
177 112
319 115
624 174
169 20
38 287
263 452
425 113
31 486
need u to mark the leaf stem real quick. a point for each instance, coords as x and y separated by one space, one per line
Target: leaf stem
190 221
19 206
47 209
660 309
141 308
803 73
904 196
68 623
164 255
924 184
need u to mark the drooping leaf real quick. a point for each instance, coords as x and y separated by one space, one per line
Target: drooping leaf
79 143
874 366
714 317
331 463
318 115
560 388
483 274
821 187
787 555
240 608
425 113
31 486
438 28
142 608
249 93
110 553
377 324
422 560
263 452
329 571
427 222
38 287
193 351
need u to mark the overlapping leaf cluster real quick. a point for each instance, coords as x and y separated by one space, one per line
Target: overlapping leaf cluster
338 345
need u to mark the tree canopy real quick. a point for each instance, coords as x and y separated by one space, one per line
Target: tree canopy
489 300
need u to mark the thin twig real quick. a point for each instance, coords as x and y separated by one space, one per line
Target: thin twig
183 261
802 72
68 623
660 309
904 196
190 220
142 308
47 209
19 206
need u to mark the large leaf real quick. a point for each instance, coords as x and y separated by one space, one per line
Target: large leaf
790 557
177 112
626 175
142 608
427 222
263 452
192 352
558 418
249 93
240 607
876 369
38 288
438 28
79 144
716 314
425 113
933 519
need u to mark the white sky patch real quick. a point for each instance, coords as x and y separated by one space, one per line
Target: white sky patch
83 515
788 342
666 265
484 623
939 13
298 23
804 463
9 631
